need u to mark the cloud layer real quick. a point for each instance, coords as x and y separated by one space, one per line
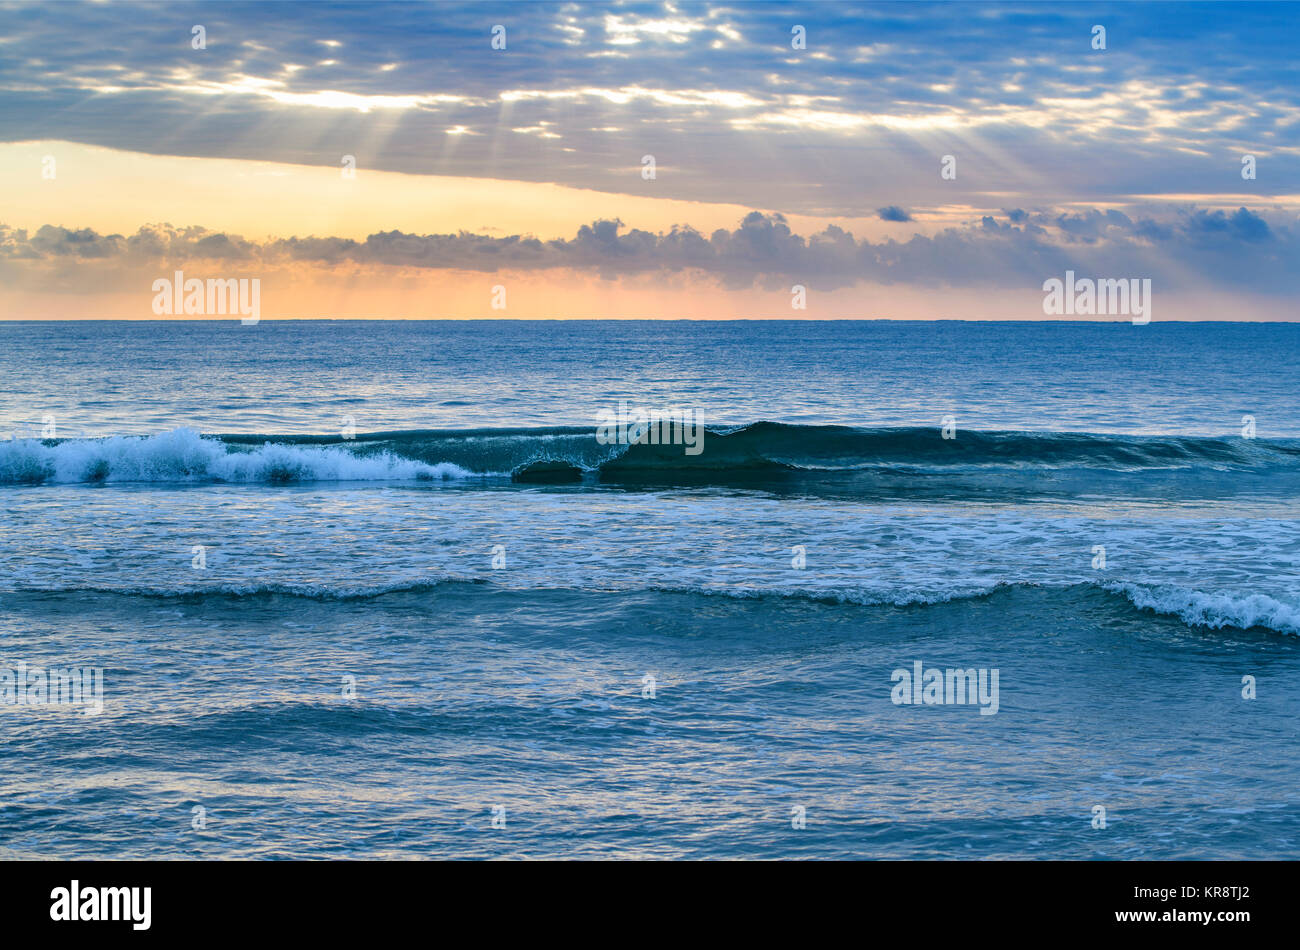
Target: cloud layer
1014 249
857 119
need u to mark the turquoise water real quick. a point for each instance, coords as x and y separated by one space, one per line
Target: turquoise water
341 610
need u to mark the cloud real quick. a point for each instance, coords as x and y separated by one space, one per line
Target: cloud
714 92
1242 225
1193 248
893 213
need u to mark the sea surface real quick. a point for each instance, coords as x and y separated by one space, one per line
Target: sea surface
383 590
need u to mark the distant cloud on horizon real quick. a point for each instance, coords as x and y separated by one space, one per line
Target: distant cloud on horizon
1020 250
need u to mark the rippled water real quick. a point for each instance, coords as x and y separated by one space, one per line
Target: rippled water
361 643
304 376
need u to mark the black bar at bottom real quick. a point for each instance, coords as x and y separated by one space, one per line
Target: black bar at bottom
335 900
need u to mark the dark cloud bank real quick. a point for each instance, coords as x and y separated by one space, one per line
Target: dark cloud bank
1193 249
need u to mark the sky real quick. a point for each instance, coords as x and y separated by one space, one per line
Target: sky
665 160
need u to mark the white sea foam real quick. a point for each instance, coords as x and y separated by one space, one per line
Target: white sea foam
184 455
1214 609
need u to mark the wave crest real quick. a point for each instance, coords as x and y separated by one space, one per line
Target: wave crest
183 455
1215 610
757 450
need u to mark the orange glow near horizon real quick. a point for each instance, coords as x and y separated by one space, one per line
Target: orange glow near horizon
114 192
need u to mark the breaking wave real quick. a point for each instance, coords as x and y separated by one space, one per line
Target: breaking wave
752 451
1214 610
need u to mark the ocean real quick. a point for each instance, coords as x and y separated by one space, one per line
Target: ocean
362 589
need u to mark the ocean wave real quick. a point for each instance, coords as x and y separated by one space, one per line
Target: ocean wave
860 597
183 455
755 451
783 447
1215 610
